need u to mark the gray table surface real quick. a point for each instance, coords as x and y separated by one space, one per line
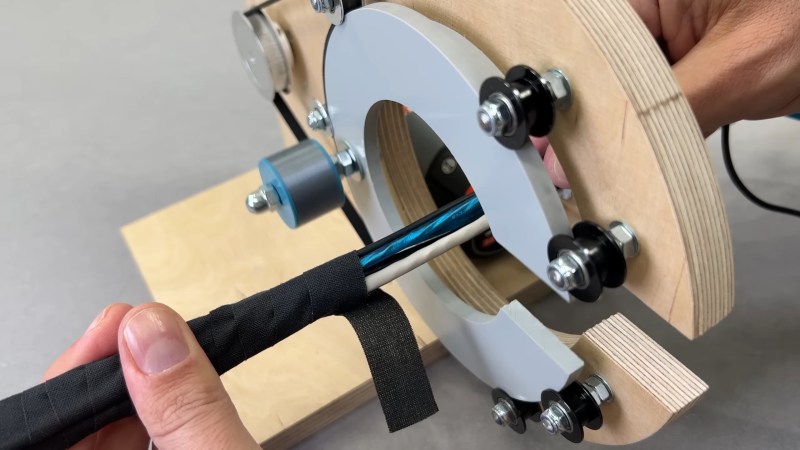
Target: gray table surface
110 110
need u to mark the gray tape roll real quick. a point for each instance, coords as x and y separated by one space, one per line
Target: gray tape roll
306 180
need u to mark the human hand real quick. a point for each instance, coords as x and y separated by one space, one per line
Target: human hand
735 59
179 399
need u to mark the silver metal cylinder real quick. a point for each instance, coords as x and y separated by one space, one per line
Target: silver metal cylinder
265 51
306 180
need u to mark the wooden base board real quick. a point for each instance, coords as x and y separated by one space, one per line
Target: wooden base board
208 250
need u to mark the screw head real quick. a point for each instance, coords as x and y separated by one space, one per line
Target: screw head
318 118
567 272
263 200
449 166
321 6
316 121
504 413
555 419
496 115
549 426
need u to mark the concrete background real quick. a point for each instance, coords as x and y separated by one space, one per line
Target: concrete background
112 110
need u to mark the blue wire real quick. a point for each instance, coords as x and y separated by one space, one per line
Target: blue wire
456 218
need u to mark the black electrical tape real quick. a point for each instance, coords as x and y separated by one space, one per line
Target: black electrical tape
394 360
60 412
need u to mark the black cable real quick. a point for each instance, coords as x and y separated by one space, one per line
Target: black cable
417 224
405 253
726 155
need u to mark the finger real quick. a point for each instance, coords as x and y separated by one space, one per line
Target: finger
554 169
97 342
541 144
649 12
175 389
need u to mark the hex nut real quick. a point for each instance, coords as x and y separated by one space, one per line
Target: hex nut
555 419
347 164
625 238
567 272
558 84
599 389
504 413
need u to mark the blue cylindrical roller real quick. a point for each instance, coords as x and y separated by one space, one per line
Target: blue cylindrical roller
306 180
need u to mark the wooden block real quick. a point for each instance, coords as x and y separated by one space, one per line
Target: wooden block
208 250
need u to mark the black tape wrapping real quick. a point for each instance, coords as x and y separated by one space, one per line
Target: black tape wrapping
394 360
62 411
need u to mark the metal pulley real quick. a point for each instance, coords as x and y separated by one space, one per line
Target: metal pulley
265 51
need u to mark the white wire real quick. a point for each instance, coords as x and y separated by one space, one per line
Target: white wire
422 256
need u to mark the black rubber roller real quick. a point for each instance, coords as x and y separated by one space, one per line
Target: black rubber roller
603 260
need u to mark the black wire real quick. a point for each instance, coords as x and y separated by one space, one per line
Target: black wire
418 223
726 155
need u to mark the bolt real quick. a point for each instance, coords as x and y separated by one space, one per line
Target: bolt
555 419
318 119
568 272
263 200
599 389
504 413
347 164
321 6
449 166
496 116
558 84
625 238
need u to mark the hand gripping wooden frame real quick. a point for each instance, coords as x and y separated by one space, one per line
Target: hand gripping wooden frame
631 149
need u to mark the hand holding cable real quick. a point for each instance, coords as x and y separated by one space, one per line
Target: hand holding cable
66 409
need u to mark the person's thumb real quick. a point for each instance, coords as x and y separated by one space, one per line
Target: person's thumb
176 391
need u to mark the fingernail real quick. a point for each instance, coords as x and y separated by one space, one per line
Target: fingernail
97 320
155 340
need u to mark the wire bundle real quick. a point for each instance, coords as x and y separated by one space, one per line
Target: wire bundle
425 239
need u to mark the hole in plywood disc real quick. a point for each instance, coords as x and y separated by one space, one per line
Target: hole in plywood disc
423 175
